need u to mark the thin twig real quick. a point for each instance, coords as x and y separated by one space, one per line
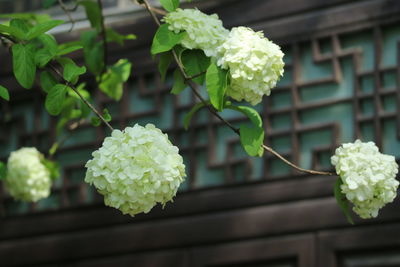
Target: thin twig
104 37
193 86
269 149
196 75
68 13
70 85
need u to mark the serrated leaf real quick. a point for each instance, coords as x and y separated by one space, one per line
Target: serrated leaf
4 93
93 52
163 64
38 29
189 115
216 83
55 99
48 43
93 13
179 83
112 81
251 139
113 36
47 81
72 72
342 201
195 62
24 64
164 39
170 5
3 170
68 50
42 57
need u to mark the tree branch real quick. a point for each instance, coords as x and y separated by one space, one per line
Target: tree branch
104 37
193 86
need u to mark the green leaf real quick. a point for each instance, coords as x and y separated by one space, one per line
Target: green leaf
48 3
113 36
55 99
163 64
48 43
195 62
164 40
170 5
72 72
38 29
112 81
3 170
189 115
106 115
251 113
52 167
42 57
12 31
21 24
4 93
93 52
93 13
24 64
252 139
342 201
47 81
179 83
67 50
216 83
95 121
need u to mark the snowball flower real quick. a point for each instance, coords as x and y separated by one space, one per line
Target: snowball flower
369 177
27 178
135 169
254 62
203 31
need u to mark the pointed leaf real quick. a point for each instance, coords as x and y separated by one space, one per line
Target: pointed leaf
216 83
342 201
113 36
93 52
12 31
251 139
38 29
4 93
72 72
68 50
164 39
24 64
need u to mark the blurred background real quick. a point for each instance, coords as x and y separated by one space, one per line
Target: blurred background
341 82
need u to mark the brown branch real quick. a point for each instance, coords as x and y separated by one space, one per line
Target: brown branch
193 86
70 85
68 13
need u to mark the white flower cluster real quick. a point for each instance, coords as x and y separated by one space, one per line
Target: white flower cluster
135 169
27 178
369 177
254 62
204 31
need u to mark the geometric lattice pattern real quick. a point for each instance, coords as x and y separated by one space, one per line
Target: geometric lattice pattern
335 89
